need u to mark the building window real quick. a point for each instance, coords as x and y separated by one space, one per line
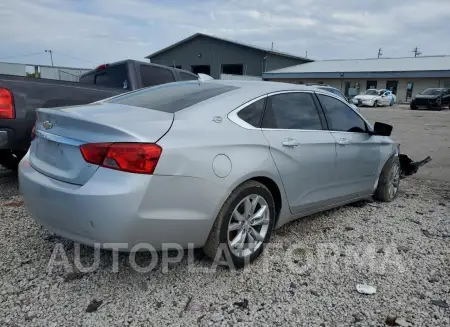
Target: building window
346 88
201 69
233 69
371 85
409 90
447 84
392 86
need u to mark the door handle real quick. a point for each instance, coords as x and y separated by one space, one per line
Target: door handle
290 143
343 142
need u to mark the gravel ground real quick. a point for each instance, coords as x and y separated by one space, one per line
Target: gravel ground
306 277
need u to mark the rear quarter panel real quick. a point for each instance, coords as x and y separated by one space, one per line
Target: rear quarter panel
190 148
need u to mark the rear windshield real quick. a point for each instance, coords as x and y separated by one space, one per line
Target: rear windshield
114 76
172 97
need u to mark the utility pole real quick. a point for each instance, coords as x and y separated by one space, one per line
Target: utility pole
380 53
51 55
416 52
272 46
306 54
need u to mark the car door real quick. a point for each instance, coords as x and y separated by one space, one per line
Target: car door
384 98
358 152
446 98
303 150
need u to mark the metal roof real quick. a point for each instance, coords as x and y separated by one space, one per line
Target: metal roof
269 51
374 66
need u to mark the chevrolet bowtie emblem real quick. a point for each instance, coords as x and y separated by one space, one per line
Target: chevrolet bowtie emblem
47 125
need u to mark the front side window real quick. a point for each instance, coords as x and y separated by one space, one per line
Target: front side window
252 114
341 117
291 111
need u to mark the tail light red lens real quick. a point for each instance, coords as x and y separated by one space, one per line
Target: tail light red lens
139 158
6 104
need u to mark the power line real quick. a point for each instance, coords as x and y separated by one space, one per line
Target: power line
76 58
24 55
51 55
416 52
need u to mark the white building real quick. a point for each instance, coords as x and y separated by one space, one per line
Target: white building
49 72
404 76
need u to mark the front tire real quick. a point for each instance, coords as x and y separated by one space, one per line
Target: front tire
389 181
10 159
375 104
244 224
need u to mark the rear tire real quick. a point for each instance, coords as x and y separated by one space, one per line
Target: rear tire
413 106
389 181
10 159
227 227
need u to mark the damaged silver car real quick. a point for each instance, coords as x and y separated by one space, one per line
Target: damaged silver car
208 163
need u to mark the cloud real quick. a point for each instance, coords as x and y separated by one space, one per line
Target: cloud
97 31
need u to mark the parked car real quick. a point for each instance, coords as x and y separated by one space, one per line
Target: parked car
337 92
20 96
431 98
374 98
208 163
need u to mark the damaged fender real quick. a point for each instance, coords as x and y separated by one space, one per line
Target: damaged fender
409 167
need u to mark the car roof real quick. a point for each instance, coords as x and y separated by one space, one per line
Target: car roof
244 92
264 86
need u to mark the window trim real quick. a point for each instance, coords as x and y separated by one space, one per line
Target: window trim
233 115
368 125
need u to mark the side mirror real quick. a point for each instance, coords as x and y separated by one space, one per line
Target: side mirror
382 129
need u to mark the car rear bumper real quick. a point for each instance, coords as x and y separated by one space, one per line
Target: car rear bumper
3 139
118 207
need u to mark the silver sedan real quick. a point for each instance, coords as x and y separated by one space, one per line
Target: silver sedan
215 164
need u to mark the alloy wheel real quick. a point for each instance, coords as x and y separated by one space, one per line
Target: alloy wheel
248 225
394 180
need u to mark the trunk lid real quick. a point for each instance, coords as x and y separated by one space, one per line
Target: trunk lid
55 151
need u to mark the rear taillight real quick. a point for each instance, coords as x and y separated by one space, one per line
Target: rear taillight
140 158
6 104
101 67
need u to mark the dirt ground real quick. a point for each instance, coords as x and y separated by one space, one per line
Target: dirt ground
421 133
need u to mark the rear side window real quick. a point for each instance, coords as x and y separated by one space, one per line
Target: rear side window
172 97
252 114
187 76
341 117
114 76
152 75
291 111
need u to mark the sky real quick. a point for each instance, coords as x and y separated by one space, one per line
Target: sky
85 33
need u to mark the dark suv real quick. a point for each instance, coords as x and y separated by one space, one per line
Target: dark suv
431 98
